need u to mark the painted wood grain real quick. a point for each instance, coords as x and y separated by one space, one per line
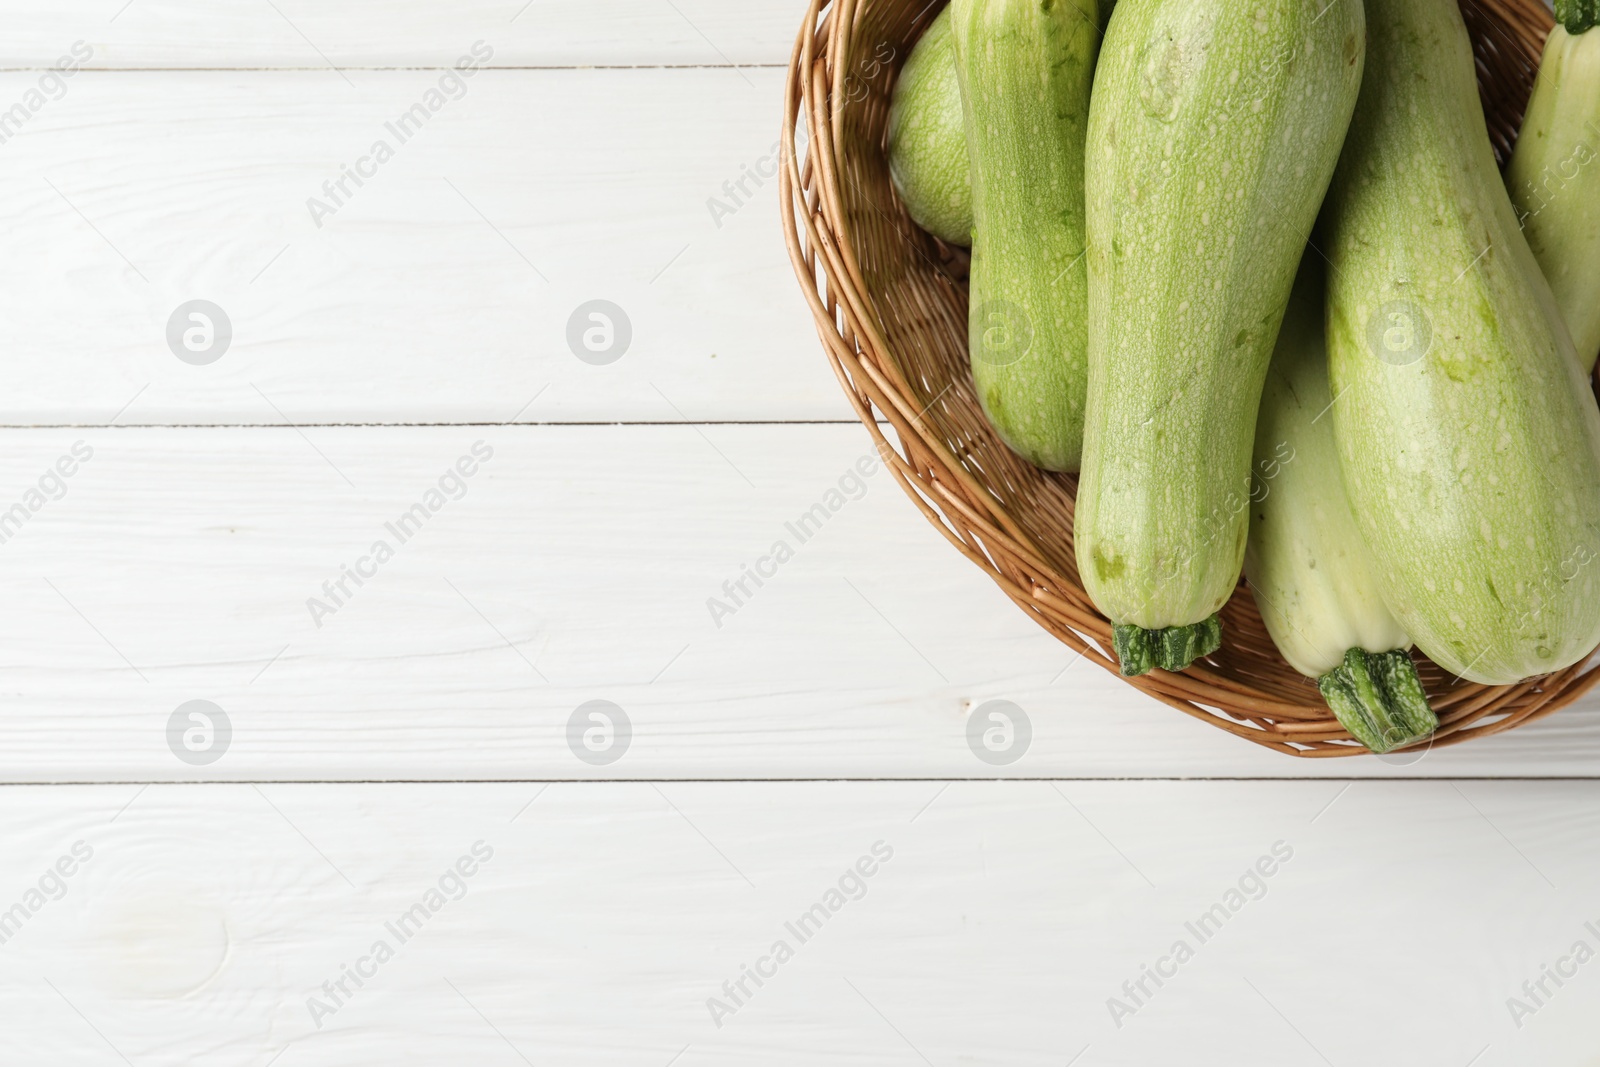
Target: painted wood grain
212 602
995 923
361 608
400 33
451 284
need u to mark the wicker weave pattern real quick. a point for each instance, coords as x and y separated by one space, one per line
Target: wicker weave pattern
891 307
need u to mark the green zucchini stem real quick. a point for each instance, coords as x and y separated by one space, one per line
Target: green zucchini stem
1172 648
1378 697
1577 16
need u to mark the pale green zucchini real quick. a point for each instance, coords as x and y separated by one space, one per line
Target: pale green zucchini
1025 70
1308 568
1554 176
1214 130
928 139
1468 438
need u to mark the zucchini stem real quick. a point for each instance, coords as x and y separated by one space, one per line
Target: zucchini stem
1172 648
1378 697
1577 16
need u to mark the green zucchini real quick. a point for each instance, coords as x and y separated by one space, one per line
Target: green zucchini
1308 568
1468 438
928 139
1025 70
1214 131
1554 176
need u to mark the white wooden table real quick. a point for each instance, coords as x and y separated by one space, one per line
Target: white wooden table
399 764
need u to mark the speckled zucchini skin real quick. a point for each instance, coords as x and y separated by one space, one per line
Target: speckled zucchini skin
1025 69
1214 129
1554 179
1469 441
928 138
1309 570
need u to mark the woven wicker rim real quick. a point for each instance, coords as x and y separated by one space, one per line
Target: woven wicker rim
890 304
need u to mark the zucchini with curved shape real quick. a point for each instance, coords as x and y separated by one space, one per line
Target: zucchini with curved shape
928 138
1214 130
1467 433
1554 176
1309 570
1025 70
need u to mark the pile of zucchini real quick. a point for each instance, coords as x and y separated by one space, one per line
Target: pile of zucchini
1251 271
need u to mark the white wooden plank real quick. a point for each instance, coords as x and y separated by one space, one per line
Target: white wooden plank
578 566
1395 923
440 290
398 33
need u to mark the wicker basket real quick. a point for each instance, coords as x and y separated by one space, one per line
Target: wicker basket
891 305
